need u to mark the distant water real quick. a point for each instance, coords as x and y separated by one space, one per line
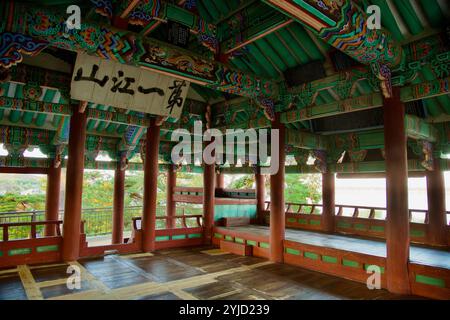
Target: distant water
372 192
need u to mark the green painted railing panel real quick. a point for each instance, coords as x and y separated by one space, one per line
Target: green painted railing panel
311 255
430 281
16 252
342 224
228 238
417 233
366 266
360 226
293 251
234 211
217 235
194 235
314 222
162 238
239 240
350 263
329 259
377 228
47 248
179 237
252 243
264 245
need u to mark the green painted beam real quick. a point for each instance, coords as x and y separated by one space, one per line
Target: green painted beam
419 129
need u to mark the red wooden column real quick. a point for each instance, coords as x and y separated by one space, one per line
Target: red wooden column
328 201
52 198
260 196
277 206
220 181
118 205
437 220
74 187
151 171
209 175
171 205
397 230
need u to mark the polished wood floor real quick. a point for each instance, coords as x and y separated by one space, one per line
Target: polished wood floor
191 273
422 255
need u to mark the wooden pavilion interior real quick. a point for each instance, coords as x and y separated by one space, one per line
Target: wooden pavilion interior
360 102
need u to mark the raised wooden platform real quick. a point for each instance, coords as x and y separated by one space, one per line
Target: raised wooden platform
347 257
190 273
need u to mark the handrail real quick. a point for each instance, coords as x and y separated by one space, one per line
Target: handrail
340 210
33 224
183 218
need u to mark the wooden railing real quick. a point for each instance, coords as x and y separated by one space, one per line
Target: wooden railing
354 220
188 231
32 225
33 249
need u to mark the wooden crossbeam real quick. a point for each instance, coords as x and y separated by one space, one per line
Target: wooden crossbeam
425 90
419 129
306 140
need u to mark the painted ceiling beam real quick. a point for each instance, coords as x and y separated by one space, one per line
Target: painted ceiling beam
250 35
419 129
128 48
343 25
410 93
35 106
306 140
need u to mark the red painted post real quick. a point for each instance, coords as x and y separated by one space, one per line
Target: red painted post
209 175
277 207
151 172
118 205
171 204
328 201
437 220
397 230
74 187
260 196
52 198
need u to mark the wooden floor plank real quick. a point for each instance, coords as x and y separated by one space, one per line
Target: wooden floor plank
189 273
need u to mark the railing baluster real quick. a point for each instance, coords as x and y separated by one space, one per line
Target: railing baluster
33 231
5 233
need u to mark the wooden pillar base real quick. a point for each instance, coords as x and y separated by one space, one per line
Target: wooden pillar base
74 187
260 196
52 199
118 205
397 231
151 171
170 190
208 201
328 201
277 205
437 220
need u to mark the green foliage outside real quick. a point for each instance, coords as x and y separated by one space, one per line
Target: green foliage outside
27 193
298 188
